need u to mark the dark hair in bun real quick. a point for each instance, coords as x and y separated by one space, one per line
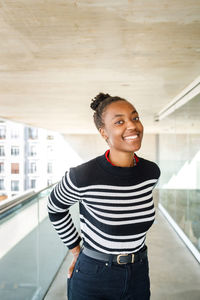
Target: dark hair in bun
98 105
98 99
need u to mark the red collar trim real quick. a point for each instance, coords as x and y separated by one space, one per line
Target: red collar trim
108 151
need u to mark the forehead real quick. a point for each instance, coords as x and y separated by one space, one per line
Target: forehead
118 107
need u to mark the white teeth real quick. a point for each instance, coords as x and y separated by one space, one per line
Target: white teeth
131 137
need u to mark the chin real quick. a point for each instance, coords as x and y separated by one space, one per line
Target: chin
129 149
126 148
134 149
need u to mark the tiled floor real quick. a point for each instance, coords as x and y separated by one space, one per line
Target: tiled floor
174 272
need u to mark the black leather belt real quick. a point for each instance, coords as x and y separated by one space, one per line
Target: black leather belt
120 258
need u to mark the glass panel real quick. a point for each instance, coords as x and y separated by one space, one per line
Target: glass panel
179 154
18 254
31 252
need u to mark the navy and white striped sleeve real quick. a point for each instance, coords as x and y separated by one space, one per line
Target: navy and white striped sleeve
63 195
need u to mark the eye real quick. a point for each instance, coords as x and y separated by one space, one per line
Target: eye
119 122
136 118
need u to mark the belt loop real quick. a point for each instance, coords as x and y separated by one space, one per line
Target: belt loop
110 260
141 253
140 256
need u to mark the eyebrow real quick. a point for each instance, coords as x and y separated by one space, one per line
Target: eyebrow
121 115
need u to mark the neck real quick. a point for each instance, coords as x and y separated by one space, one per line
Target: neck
121 159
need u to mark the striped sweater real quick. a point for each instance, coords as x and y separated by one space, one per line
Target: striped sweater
116 205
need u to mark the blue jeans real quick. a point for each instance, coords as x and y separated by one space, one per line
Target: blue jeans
93 279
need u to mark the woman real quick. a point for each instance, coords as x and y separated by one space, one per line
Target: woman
114 191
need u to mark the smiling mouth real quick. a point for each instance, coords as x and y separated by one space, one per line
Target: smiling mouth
131 137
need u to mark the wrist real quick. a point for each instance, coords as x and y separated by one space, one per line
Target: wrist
76 250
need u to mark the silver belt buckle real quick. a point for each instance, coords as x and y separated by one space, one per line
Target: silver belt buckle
122 263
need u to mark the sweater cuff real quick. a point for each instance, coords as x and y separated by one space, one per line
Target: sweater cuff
71 246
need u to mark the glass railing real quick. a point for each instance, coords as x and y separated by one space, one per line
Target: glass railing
30 250
183 206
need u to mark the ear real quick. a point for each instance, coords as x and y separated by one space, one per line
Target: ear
103 133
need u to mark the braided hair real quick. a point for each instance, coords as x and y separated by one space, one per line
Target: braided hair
98 105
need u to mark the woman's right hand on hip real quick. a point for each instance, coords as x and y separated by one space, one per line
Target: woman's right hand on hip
75 251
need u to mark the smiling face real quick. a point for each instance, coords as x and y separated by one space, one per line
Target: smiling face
122 128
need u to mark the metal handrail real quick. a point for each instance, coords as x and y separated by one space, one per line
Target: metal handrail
8 204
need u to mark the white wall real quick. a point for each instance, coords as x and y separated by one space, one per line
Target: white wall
88 146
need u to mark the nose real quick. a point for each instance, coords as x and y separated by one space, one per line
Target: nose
131 125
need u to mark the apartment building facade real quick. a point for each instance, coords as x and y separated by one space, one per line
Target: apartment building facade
27 158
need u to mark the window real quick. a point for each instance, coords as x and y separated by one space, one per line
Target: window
14 133
32 133
49 167
15 150
14 185
32 183
32 150
15 168
2 132
49 149
1 167
2 184
2 152
32 168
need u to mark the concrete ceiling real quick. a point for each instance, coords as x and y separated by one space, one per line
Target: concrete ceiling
56 55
